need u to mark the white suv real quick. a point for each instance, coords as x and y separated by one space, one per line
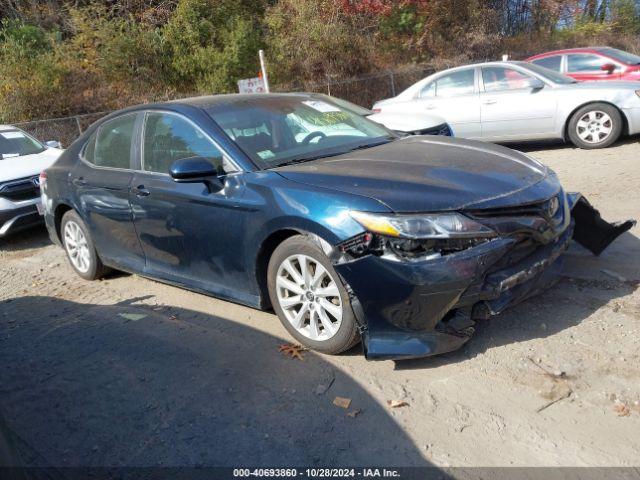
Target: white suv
22 158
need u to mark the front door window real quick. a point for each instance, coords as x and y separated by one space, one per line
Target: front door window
169 137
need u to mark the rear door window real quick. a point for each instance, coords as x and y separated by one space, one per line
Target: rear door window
455 84
498 79
113 143
552 63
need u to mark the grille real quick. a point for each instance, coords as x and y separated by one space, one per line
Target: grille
542 209
22 189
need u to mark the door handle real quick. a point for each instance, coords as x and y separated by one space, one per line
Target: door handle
140 191
489 101
79 181
430 106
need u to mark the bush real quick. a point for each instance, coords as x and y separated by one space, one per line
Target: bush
64 57
310 41
211 44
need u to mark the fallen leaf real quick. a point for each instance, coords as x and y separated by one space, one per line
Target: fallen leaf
354 413
342 402
397 403
622 409
173 317
294 351
134 317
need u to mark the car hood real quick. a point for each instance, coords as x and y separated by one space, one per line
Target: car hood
424 173
13 168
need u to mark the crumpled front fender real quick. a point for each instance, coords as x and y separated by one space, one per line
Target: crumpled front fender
409 309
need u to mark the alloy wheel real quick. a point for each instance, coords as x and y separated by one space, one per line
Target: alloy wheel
75 242
594 127
309 297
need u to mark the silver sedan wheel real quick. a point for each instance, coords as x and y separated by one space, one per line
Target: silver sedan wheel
309 297
76 244
594 126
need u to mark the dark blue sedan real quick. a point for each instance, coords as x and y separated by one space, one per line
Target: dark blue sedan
297 202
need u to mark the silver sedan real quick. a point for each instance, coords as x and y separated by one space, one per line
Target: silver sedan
515 101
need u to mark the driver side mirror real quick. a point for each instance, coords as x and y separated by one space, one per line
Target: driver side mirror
608 67
196 170
536 84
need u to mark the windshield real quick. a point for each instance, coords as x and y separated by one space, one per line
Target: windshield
16 143
550 75
275 130
621 56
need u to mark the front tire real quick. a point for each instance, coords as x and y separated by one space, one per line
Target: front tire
597 125
309 297
80 248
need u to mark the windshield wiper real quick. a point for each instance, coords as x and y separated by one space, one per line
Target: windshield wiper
362 146
308 158
359 146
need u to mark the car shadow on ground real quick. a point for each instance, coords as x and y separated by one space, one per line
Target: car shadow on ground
133 384
583 289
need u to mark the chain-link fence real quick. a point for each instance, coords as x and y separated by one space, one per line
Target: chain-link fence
363 90
65 130
366 89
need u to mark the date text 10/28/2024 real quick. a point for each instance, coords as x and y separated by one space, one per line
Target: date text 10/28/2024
316 472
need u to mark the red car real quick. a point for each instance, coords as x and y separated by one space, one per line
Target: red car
593 63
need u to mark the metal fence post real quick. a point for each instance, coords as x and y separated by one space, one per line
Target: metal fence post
79 126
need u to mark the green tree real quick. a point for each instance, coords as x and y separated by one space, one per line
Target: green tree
211 43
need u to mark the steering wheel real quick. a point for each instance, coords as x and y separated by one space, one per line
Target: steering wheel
311 136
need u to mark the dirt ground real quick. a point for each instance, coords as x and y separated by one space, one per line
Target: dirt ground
191 380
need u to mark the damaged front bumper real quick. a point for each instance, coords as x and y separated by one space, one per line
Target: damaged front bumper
420 308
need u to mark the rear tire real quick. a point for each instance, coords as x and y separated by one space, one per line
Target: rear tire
597 125
309 297
80 248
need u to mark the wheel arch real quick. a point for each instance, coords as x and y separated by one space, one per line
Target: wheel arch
267 247
58 213
625 120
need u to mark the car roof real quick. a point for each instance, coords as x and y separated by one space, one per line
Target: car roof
569 50
208 101
497 63
8 127
203 102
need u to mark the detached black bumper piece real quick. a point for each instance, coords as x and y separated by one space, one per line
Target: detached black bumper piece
410 309
592 232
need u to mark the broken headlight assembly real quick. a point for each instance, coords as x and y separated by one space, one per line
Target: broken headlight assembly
415 237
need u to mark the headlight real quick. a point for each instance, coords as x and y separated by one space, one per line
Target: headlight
441 225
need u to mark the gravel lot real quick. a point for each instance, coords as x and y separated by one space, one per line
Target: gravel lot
191 380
